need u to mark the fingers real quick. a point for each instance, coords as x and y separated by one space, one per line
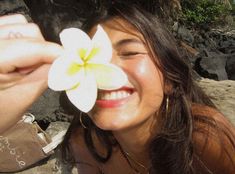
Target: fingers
22 46
8 80
16 26
13 19
25 53
27 70
37 76
13 31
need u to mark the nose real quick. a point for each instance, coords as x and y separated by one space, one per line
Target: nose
116 59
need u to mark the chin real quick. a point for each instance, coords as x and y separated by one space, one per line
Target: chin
109 120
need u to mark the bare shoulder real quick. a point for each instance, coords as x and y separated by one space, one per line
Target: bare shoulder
214 140
85 162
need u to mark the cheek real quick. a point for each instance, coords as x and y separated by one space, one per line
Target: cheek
145 75
149 84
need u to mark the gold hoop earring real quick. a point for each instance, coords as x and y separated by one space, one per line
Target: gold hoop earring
167 104
81 122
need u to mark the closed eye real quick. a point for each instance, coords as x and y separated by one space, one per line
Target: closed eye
132 53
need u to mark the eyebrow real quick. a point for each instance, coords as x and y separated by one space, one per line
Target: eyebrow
127 41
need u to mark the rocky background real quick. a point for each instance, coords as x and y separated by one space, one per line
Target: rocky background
211 53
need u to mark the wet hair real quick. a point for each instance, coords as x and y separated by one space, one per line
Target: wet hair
172 150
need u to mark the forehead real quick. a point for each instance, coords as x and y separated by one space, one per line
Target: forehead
118 29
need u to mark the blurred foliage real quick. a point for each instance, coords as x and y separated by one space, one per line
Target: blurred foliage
201 13
233 6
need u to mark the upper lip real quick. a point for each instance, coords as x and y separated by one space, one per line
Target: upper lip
126 88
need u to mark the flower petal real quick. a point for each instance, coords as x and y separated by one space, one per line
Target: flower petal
102 47
108 76
61 77
73 55
84 96
74 39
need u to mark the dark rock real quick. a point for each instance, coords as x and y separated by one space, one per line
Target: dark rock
212 65
227 50
44 108
216 56
14 6
230 67
185 34
52 16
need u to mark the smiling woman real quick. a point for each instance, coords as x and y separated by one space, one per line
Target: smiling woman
159 121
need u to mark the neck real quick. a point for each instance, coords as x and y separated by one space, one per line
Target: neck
136 140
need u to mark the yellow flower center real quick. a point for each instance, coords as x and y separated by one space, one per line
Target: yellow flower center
94 51
75 67
83 53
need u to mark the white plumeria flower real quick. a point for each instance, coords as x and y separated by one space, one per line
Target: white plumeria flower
85 67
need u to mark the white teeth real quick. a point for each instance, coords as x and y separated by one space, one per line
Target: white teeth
119 94
114 95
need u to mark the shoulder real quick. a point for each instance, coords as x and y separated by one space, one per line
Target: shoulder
214 140
83 158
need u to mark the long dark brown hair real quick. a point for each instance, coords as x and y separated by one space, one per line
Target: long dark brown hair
172 150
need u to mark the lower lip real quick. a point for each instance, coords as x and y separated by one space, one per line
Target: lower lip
111 103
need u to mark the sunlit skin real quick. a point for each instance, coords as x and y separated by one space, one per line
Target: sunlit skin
135 115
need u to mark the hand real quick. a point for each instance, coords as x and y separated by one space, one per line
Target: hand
25 58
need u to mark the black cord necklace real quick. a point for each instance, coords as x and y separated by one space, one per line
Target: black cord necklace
128 157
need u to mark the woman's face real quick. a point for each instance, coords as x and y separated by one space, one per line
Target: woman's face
138 101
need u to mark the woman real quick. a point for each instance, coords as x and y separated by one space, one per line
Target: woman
161 121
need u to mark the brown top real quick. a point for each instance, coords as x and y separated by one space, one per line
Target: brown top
213 144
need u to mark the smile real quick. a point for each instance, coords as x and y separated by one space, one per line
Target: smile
107 99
